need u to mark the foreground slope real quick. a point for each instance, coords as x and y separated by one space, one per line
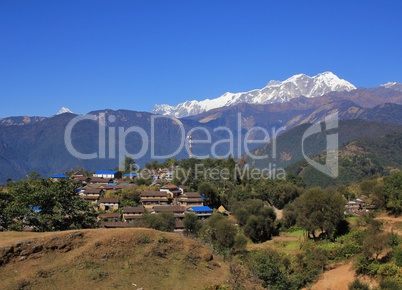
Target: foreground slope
106 259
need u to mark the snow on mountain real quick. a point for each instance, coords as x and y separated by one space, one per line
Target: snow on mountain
274 92
393 85
63 110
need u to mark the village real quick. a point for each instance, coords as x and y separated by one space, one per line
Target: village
169 198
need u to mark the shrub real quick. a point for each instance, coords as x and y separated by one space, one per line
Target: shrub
267 265
358 285
393 239
390 284
388 270
398 257
240 243
361 265
143 239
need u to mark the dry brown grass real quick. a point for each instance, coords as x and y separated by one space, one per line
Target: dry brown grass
111 258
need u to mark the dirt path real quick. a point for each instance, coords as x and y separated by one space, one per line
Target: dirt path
340 278
336 279
390 223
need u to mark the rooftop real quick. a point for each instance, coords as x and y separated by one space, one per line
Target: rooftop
59 175
173 208
109 215
200 209
137 209
130 174
109 200
169 186
155 193
106 171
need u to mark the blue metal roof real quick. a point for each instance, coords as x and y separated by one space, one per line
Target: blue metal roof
35 208
59 175
106 171
130 174
201 208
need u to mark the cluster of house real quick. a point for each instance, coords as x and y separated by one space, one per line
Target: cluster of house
169 198
358 207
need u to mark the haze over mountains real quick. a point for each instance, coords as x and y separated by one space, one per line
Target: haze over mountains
38 143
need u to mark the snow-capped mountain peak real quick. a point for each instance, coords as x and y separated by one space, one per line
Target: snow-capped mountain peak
393 86
64 110
274 92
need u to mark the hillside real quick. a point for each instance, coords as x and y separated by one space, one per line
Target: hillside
107 259
358 159
289 144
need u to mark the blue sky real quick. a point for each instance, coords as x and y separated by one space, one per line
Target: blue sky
89 55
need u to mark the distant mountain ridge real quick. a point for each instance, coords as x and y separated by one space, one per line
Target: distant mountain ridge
393 85
274 92
38 143
376 104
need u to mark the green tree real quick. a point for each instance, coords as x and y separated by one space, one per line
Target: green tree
128 164
240 243
284 193
5 200
225 233
289 215
164 221
259 228
210 194
374 244
33 175
48 205
319 209
218 231
130 197
240 193
393 193
191 223
267 265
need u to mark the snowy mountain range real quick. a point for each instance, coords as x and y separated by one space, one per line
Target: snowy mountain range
274 92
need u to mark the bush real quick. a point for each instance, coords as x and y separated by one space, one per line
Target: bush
143 239
388 270
191 223
393 239
267 265
361 265
358 285
218 231
164 221
240 243
390 284
398 257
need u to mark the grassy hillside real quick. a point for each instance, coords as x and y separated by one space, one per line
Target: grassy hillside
107 259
